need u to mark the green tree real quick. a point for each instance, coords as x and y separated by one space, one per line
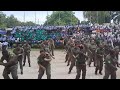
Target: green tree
98 16
2 20
61 18
12 21
85 22
30 23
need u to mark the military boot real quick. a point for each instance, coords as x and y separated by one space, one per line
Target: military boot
100 72
29 65
24 64
21 72
96 71
69 72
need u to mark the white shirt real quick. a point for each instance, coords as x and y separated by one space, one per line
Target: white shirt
5 43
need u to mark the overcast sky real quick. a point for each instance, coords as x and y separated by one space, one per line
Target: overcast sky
40 15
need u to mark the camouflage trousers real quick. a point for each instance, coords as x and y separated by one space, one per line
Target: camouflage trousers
81 67
52 50
99 65
28 56
48 72
109 73
20 59
72 60
12 70
92 58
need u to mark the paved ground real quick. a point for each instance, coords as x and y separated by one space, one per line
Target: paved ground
59 69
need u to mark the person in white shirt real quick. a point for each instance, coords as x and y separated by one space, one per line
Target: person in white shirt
5 44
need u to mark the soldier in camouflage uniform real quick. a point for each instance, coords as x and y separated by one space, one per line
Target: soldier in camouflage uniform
110 65
92 49
99 59
70 54
19 52
46 46
44 64
106 50
81 64
27 49
52 46
68 46
74 51
116 49
65 43
11 66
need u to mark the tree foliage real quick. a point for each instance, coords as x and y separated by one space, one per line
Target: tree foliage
11 21
98 16
84 22
61 18
102 16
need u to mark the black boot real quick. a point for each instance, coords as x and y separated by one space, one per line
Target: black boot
69 72
96 71
100 72
24 64
118 65
29 65
21 72
67 64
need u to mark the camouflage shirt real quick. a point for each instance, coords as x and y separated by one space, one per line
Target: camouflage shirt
110 63
27 49
18 51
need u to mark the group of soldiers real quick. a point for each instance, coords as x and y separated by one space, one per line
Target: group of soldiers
79 52
83 51
12 59
19 56
46 55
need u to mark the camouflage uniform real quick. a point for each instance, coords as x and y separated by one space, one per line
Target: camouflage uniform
11 66
116 49
19 51
110 67
74 51
70 54
27 49
65 43
52 46
99 60
68 51
46 47
92 49
44 65
81 65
